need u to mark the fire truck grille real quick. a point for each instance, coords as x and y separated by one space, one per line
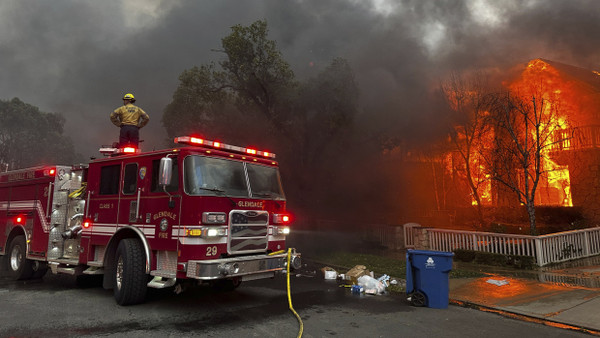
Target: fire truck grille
248 231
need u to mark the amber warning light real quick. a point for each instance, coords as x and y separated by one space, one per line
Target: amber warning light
196 141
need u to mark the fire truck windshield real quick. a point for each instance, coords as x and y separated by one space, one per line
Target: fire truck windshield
209 176
264 181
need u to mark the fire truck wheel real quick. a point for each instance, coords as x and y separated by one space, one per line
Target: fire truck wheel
130 273
19 267
225 285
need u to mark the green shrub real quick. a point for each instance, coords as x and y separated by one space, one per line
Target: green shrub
464 255
489 258
521 262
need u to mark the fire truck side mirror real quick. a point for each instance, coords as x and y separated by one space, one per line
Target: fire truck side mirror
165 171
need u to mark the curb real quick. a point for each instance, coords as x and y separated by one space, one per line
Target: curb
523 317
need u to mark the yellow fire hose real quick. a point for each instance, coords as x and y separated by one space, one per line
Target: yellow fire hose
289 295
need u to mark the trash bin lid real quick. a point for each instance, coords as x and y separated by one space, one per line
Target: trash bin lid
430 253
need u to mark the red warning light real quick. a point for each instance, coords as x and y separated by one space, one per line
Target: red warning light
282 218
19 219
52 172
194 141
87 224
129 150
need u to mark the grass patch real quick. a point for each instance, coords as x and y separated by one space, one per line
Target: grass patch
380 265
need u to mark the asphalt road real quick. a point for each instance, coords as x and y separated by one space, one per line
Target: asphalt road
57 307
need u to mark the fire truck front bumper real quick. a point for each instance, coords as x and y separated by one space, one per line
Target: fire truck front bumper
247 267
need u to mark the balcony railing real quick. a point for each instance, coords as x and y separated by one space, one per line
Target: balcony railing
576 138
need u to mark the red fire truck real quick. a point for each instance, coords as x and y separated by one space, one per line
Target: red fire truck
205 211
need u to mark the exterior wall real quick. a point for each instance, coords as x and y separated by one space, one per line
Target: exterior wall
584 170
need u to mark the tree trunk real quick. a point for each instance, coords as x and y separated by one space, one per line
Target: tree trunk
531 214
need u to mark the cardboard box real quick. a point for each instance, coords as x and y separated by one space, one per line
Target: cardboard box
329 273
357 271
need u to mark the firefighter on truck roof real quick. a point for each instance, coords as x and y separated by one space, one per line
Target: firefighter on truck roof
130 119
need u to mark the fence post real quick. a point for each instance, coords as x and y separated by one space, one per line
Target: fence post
409 234
586 244
539 252
421 239
475 244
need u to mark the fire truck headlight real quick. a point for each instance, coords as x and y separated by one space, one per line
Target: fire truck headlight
279 230
214 218
214 232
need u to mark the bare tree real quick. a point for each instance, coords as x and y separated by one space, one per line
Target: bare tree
526 127
469 99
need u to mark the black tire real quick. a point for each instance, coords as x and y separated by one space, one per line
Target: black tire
130 279
226 285
19 267
39 269
418 299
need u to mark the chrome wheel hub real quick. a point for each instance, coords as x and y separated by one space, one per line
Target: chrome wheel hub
119 273
16 258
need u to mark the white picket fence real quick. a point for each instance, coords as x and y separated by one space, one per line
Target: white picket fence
546 249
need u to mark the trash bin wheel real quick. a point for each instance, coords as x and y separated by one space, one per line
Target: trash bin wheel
418 299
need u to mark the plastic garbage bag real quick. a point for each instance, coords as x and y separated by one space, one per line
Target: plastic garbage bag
372 286
385 279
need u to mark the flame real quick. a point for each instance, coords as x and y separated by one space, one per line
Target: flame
560 97
565 119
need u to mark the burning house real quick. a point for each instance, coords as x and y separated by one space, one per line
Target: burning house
568 98
565 122
576 148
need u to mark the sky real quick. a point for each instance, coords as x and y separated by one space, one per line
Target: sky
79 58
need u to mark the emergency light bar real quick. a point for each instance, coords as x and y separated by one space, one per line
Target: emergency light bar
125 150
196 141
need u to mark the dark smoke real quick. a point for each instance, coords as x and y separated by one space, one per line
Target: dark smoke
79 57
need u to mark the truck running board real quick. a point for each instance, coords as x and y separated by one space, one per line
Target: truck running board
92 270
66 269
160 282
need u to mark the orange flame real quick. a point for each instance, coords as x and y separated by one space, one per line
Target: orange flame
545 82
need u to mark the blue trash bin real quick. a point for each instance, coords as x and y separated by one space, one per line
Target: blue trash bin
427 277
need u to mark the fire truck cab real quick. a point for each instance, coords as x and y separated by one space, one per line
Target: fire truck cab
206 211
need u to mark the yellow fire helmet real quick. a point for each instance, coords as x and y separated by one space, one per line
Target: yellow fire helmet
128 96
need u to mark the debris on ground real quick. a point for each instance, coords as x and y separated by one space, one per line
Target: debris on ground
357 271
385 279
329 273
497 282
371 285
